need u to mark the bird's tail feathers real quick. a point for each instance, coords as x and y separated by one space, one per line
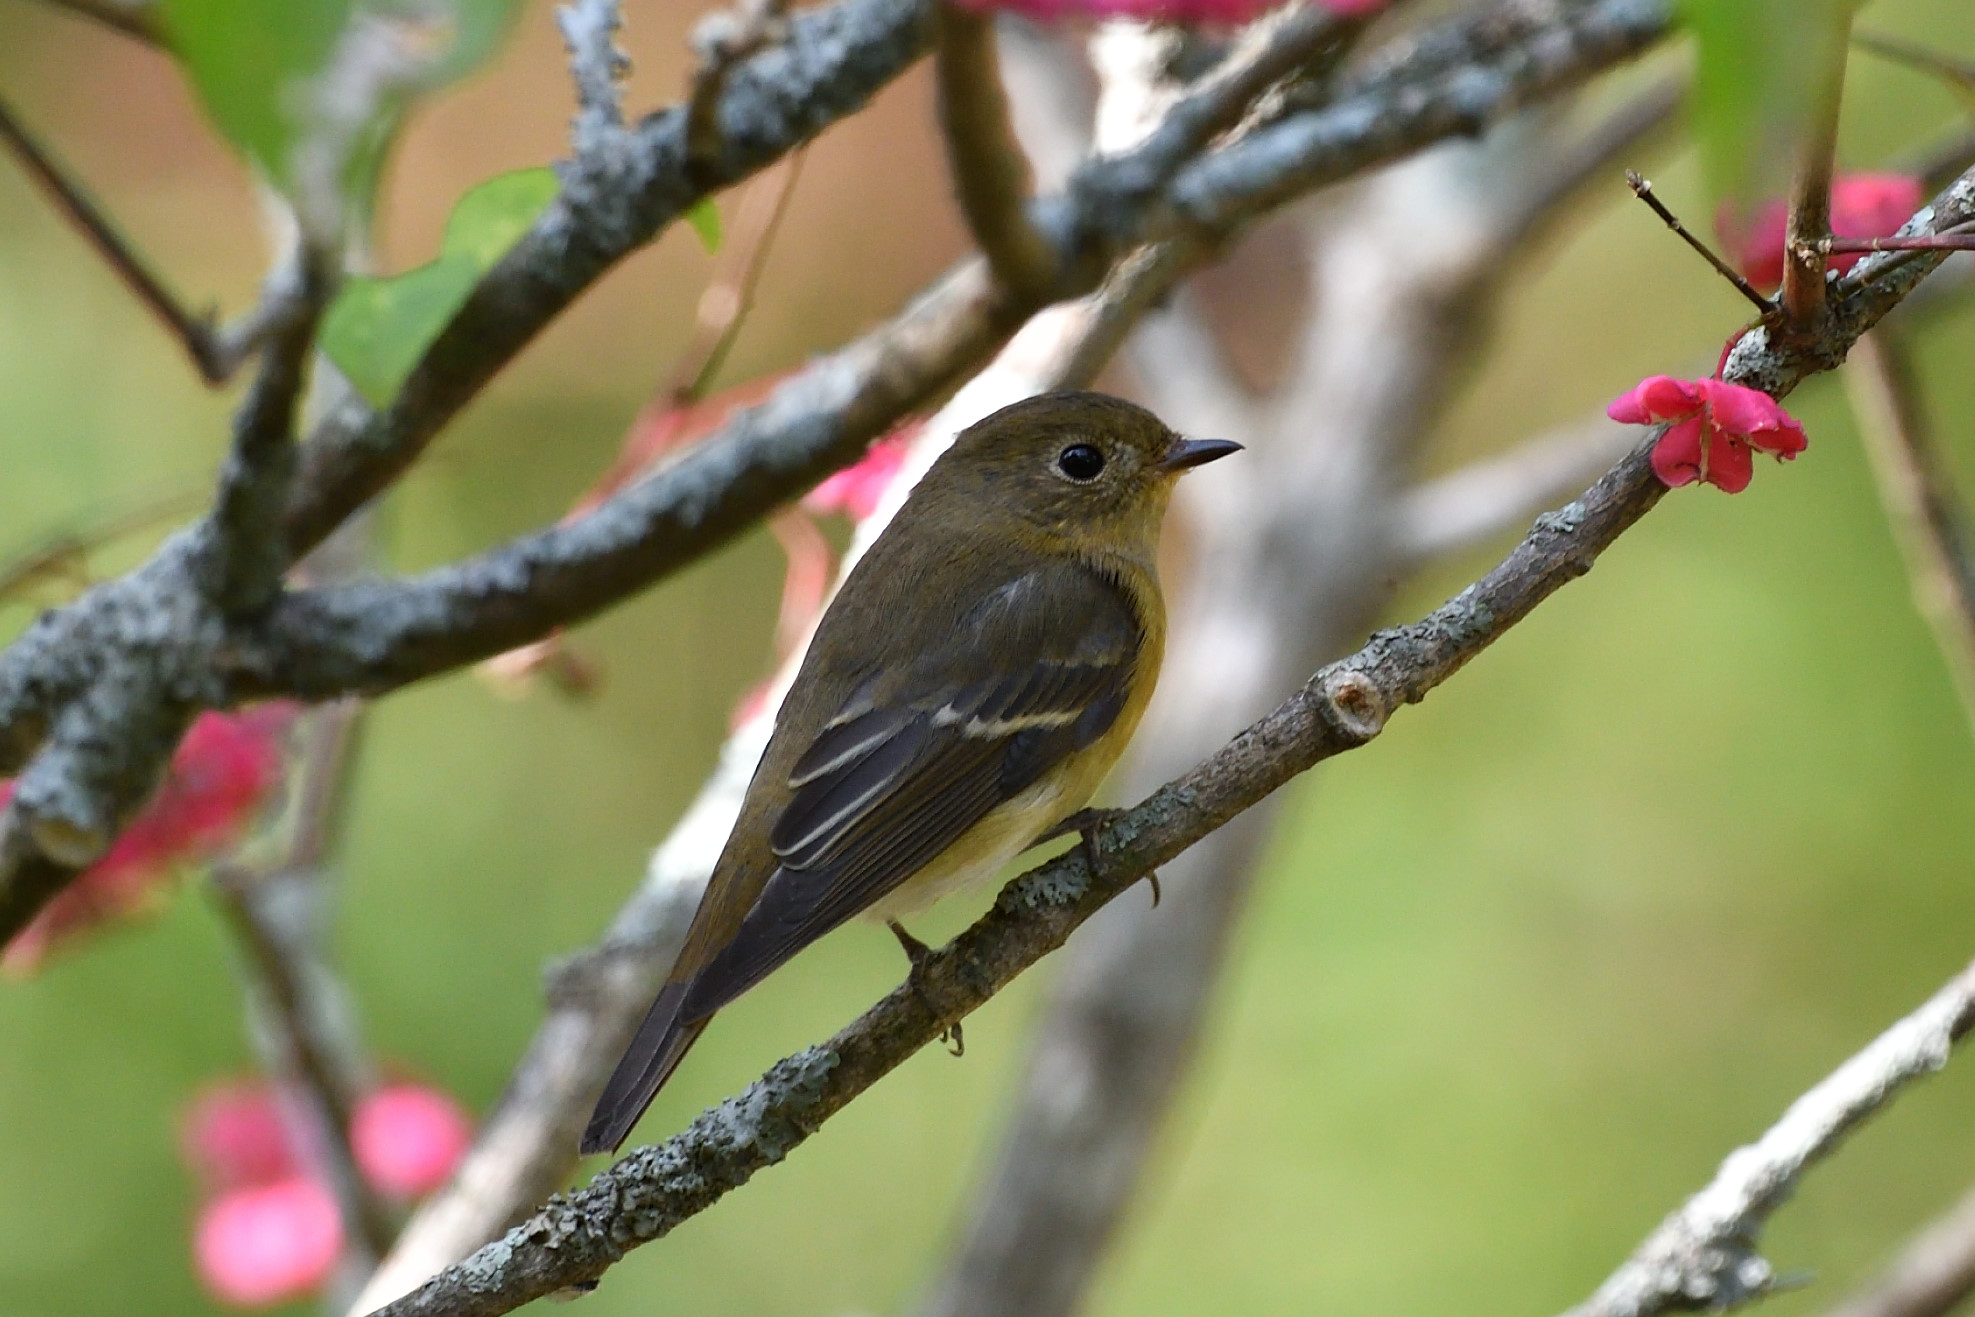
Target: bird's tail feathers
661 1043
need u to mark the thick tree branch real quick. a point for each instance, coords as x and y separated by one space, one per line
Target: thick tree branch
720 40
216 351
835 59
1289 565
114 680
527 1145
990 172
573 1240
1703 1256
373 637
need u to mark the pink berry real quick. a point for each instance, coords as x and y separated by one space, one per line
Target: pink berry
261 1246
408 1138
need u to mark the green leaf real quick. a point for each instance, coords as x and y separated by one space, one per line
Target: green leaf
705 219
312 90
494 215
377 329
1766 69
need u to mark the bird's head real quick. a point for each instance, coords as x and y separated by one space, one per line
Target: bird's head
1081 466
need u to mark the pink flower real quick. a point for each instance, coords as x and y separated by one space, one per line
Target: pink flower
857 490
408 1138
1716 427
1862 206
220 777
269 1243
234 1135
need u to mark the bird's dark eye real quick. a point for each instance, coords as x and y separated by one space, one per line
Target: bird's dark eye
1081 462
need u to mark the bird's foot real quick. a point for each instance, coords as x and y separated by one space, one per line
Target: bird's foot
1085 823
916 952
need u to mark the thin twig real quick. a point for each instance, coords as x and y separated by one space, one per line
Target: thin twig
729 296
133 18
1483 67
573 1240
989 170
1933 1273
215 352
1930 242
1918 491
1957 73
61 555
1643 189
1704 1255
722 312
527 1145
826 416
267 909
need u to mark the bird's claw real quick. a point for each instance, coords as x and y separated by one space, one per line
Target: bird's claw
917 952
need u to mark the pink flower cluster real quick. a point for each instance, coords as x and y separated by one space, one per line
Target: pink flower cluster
270 1231
1717 429
221 776
1217 12
1862 206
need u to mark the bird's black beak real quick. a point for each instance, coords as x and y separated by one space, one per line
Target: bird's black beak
1186 453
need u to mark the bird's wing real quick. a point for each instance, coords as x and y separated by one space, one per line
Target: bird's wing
916 759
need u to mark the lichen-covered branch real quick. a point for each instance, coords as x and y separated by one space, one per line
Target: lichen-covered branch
589 32
375 636
1703 1256
574 1239
1292 555
833 61
527 1145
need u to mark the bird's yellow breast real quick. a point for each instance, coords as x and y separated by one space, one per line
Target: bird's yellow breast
1013 826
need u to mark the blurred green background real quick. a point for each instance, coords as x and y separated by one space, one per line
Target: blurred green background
1518 976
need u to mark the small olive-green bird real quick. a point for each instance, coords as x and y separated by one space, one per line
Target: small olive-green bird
976 677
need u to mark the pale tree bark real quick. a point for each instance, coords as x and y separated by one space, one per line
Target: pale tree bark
1293 557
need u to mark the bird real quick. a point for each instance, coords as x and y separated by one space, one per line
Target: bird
976 676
